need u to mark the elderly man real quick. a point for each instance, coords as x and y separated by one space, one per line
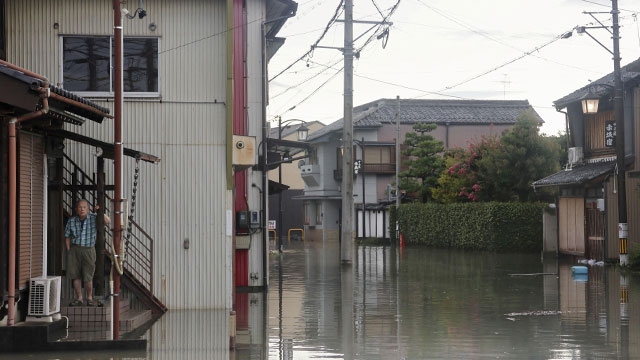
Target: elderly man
80 239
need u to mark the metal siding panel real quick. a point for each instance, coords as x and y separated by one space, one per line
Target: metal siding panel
184 195
191 335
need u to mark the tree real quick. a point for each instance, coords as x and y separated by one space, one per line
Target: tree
425 161
524 156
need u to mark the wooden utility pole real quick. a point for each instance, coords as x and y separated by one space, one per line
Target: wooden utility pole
618 106
397 165
346 246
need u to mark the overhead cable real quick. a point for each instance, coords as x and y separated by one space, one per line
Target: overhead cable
326 30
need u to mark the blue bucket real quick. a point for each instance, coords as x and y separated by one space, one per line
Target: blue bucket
579 270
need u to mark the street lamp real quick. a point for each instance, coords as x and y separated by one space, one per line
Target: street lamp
303 132
302 135
590 106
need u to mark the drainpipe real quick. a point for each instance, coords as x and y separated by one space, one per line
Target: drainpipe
117 164
566 126
265 149
229 168
13 188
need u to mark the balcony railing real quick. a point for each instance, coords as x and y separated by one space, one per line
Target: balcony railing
380 168
370 169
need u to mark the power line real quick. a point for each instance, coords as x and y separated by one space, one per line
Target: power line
400 85
485 35
525 54
209 36
367 42
609 6
314 91
326 29
307 79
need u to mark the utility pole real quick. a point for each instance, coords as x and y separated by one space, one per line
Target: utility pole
364 201
346 246
117 160
623 231
397 164
280 227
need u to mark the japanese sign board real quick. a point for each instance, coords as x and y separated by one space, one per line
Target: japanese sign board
357 166
272 224
610 133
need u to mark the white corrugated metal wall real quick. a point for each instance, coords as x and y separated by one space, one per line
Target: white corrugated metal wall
183 197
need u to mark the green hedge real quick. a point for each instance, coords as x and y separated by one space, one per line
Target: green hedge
475 226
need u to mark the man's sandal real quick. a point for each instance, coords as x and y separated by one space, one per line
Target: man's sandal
91 302
76 302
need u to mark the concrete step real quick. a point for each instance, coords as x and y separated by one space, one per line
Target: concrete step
133 319
90 313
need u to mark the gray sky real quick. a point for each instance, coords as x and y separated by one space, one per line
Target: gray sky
434 44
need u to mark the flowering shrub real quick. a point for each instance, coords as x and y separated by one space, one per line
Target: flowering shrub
462 181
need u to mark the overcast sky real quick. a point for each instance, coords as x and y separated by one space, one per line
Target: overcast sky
434 44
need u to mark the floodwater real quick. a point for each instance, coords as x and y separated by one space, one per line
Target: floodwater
419 303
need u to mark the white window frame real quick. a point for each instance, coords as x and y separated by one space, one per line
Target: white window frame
106 94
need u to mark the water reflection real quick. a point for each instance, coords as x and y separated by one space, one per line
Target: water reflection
430 303
416 304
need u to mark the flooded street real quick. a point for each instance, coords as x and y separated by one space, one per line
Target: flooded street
420 303
430 303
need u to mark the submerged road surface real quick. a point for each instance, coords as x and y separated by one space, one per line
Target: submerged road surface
420 303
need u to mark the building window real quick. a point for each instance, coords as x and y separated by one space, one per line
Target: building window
380 155
87 63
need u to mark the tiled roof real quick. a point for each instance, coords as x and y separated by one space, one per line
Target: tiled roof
413 111
57 90
579 174
629 72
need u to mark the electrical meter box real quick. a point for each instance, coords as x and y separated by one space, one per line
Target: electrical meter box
242 220
248 220
255 222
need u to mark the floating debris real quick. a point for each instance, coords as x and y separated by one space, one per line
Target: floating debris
537 313
533 274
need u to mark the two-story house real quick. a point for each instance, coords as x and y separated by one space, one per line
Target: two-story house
375 130
587 205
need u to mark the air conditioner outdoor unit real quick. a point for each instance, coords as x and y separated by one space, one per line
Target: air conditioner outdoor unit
575 155
44 296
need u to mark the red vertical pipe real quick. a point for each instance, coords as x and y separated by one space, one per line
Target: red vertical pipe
117 160
12 221
240 126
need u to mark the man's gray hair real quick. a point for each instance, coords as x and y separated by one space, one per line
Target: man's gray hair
82 201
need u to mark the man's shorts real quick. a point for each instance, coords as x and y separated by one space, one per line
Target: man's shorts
81 263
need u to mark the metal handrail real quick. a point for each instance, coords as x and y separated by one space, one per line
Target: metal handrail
139 260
